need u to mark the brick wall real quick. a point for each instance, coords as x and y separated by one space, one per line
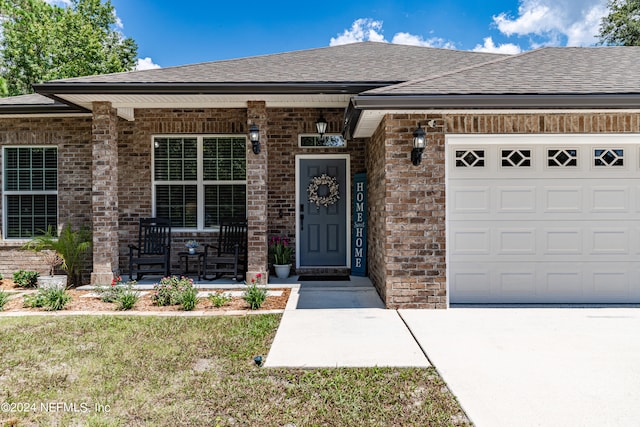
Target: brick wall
376 210
72 136
407 215
407 223
104 193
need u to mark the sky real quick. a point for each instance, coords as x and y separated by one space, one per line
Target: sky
170 33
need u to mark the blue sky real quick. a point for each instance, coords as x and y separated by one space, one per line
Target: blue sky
174 33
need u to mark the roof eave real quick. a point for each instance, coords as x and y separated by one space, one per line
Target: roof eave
39 109
302 88
481 102
500 101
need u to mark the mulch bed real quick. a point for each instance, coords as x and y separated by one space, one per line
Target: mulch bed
144 304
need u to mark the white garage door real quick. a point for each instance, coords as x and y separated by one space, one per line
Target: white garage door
543 219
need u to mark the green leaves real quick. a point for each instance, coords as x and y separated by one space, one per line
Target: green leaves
622 25
44 42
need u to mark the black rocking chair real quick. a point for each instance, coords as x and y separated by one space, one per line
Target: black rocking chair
229 256
153 251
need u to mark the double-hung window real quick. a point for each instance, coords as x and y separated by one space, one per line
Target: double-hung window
199 180
30 195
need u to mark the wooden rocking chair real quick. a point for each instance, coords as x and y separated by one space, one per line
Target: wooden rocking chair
229 256
153 251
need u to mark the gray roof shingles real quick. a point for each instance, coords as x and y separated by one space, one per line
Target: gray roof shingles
357 62
546 71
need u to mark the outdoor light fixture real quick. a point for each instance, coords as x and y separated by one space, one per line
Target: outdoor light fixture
254 137
419 143
321 126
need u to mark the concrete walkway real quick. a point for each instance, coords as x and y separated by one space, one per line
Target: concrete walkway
537 367
341 325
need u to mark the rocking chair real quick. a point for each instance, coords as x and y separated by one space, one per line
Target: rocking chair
229 256
153 251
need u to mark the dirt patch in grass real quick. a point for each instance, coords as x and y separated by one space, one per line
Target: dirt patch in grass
80 302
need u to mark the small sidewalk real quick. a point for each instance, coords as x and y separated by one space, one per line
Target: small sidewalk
341 324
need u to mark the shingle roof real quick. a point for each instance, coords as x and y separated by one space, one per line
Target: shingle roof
546 71
28 100
357 62
35 103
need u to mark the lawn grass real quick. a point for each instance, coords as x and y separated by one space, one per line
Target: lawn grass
177 371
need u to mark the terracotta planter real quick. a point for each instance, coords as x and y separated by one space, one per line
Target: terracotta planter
282 270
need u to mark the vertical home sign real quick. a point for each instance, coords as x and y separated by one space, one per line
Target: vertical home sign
359 232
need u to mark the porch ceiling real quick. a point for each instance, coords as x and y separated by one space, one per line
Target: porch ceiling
126 103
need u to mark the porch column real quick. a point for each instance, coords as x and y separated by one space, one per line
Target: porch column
257 191
104 138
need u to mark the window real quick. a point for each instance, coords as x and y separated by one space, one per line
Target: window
199 180
516 158
30 191
608 157
562 158
470 158
328 140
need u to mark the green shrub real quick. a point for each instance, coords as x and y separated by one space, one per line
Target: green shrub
189 298
219 299
4 297
127 299
254 295
26 279
51 299
175 290
113 292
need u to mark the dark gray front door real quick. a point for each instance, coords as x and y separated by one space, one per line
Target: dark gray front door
323 229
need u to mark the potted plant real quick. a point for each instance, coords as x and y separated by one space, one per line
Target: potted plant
68 249
281 252
191 246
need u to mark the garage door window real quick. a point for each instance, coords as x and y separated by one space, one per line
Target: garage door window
608 157
516 158
562 158
470 158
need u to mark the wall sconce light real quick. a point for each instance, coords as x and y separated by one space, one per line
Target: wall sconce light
254 137
419 143
321 126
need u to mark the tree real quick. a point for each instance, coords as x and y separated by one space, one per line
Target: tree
43 42
622 25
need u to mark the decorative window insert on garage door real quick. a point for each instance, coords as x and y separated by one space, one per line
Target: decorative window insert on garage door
543 218
30 196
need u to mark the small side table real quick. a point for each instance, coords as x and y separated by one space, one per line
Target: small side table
186 256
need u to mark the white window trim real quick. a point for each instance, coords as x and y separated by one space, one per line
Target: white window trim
6 193
200 182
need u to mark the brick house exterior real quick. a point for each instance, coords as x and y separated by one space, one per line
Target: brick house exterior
105 147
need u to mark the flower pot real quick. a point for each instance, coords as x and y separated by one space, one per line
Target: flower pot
192 251
282 270
53 282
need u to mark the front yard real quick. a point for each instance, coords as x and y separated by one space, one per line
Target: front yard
198 371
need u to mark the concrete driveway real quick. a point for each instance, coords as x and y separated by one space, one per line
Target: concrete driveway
537 366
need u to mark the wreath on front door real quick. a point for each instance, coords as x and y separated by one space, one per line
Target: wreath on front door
332 184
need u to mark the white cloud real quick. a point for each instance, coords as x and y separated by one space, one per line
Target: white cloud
146 64
553 21
367 29
416 40
363 29
490 47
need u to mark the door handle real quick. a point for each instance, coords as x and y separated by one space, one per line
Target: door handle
301 217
